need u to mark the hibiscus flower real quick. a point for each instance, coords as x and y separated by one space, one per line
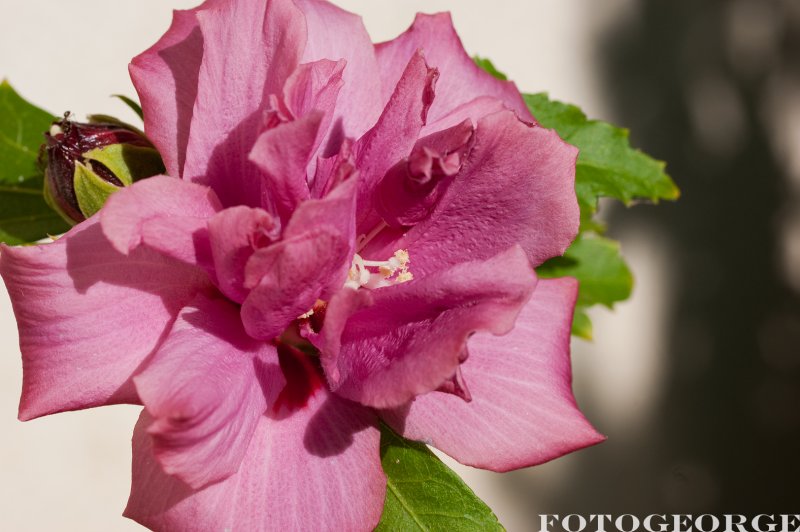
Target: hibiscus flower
348 234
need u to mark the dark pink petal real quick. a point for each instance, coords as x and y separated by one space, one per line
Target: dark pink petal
283 153
337 211
251 48
89 316
461 79
181 238
411 340
316 469
396 132
315 87
517 186
165 76
203 391
473 111
286 279
310 263
331 171
234 235
411 189
336 34
142 212
522 410
339 309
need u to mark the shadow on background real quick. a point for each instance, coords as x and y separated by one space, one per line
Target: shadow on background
706 87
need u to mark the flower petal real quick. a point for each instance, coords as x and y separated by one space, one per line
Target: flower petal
337 211
522 411
251 48
89 316
517 186
142 212
316 86
412 338
410 190
311 262
461 79
165 76
288 278
396 132
334 34
330 171
203 391
183 239
283 153
318 469
234 235
473 111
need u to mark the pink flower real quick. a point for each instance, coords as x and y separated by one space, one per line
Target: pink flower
348 217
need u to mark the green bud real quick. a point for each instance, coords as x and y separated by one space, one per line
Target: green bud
86 163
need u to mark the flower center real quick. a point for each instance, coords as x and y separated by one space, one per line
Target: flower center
376 274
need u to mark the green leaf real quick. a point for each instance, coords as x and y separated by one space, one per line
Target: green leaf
489 67
582 324
131 103
424 494
607 165
24 214
22 128
597 264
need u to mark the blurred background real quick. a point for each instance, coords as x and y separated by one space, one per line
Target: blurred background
695 380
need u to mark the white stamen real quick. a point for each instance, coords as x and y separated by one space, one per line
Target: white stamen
390 272
56 130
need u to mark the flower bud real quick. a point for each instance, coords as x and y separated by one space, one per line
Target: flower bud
86 163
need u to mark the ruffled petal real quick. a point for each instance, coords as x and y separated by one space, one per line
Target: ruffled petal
251 48
396 132
409 192
411 339
165 213
522 411
315 87
89 316
337 34
165 76
286 279
336 211
203 391
340 308
461 79
310 263
234 235
516 187
283 153
473 111
330 171
181 238
317 469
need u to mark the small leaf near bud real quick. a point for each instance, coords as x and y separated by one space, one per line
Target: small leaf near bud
91 190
